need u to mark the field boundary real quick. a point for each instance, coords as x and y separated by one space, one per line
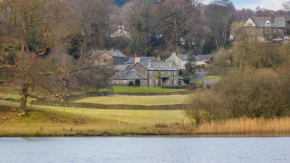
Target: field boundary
108 93
117 107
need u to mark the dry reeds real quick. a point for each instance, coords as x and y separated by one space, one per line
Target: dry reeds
246 126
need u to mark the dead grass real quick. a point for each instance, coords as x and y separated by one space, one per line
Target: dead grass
247 126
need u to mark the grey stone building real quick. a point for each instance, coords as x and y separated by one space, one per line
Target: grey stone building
111 58
150 74
178 60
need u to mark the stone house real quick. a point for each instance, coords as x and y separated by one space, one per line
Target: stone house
111 58
157 74
150 74
268 28
178 60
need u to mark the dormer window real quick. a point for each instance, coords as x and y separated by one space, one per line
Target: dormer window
268 24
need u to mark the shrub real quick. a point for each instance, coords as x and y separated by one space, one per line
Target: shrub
206 107
262 93
137 83
131 84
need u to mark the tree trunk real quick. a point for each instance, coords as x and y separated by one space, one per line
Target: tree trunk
66 86
24 95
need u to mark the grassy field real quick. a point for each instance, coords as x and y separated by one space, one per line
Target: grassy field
54 121
143 89
138 100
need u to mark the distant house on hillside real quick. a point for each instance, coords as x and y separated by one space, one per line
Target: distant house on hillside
178 60
112 57
203 59
121 32
268 28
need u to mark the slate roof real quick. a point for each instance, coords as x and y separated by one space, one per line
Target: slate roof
116 53
129 75
142 59
203 57
183 57
159 66
279 22
120 67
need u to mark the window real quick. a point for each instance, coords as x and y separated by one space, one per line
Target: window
105 60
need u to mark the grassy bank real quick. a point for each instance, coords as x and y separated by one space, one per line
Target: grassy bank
137 100
53 121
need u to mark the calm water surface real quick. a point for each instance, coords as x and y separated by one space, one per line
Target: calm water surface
145 150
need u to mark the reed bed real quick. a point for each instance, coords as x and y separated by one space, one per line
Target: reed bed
247 126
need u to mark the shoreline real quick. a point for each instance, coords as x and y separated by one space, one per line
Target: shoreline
161 135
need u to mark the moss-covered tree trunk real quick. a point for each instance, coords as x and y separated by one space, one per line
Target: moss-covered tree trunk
24 95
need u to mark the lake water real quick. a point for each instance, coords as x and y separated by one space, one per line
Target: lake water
144 150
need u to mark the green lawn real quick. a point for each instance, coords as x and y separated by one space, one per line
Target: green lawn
138 100
74 120
13 96
143 89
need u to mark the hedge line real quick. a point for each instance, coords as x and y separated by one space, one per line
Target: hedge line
175 87
96 94
117 107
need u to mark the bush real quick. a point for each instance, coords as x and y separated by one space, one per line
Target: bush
131 84
207 107
262 93
137 83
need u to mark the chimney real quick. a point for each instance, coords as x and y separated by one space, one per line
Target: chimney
137 59
170 64
272 18
159 58
149 64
